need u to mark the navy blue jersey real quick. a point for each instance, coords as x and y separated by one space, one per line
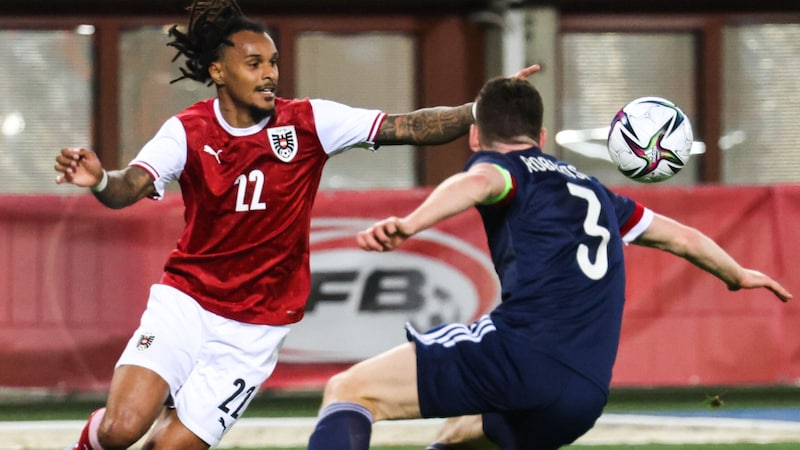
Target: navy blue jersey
556 242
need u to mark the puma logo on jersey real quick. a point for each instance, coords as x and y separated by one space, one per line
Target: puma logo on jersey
211 151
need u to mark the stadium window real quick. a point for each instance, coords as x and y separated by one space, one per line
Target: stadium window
760 103
603 71
324 70
147 98
47 103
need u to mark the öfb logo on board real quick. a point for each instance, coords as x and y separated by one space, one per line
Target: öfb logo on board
359 300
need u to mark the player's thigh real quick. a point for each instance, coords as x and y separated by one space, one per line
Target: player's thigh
385 383
235 361
169 338
135 399
574 412
465 370
464 432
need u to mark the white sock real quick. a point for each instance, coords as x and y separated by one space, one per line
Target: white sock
94 424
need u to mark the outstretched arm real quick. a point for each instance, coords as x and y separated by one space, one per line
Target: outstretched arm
427 126
691 244
454 195
432 126
115 189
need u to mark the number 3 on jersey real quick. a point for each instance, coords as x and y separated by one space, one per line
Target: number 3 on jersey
244 182
597 269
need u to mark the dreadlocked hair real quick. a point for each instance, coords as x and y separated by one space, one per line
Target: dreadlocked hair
211 23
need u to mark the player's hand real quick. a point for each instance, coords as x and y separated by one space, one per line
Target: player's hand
753 279
526 72
385 235
78 166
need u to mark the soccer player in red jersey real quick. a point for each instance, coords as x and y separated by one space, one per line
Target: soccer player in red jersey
249 164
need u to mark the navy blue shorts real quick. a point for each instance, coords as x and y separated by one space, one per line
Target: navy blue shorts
528 399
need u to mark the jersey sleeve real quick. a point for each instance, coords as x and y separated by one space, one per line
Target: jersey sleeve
164 156
499 163
341 127
633 217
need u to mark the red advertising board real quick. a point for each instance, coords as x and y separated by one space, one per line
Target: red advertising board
75 278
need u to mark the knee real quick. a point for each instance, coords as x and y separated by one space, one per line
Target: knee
120 432
342 387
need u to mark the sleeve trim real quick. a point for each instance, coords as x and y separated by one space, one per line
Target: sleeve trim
638 222
509 180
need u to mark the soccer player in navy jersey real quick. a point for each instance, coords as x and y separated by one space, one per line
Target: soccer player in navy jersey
249 165
535 372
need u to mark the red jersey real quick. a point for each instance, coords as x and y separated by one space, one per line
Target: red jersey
248 193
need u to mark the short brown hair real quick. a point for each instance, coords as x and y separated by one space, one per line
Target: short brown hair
508 108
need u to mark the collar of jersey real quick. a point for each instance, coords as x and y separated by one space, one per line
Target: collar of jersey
253 129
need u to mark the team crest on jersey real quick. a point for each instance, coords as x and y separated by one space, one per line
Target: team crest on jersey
145 341
283 141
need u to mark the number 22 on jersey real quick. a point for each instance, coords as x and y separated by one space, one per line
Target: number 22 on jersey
256 204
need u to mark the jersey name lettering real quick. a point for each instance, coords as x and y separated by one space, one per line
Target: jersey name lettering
542 164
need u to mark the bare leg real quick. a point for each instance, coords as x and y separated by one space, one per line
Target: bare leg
386 384
135 401
379 388
136 397
170 433
465 432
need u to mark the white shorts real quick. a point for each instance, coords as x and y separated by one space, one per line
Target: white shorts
213 365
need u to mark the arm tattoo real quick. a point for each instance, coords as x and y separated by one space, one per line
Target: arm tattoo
428 126
126 187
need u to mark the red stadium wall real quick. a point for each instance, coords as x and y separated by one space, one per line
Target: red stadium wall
75 278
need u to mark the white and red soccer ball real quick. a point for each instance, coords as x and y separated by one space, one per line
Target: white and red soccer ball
650 139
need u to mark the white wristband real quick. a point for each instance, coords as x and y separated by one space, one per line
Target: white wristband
475 111
102 184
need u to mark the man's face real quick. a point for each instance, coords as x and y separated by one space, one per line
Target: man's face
248 73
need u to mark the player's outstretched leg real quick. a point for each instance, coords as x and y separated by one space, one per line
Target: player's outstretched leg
88 438
342 425
382 387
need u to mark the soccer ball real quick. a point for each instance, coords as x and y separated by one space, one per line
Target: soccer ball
650 139
439 307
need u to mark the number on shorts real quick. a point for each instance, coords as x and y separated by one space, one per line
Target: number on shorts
240 387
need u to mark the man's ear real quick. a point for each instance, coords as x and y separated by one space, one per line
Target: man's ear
474 138
215 71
